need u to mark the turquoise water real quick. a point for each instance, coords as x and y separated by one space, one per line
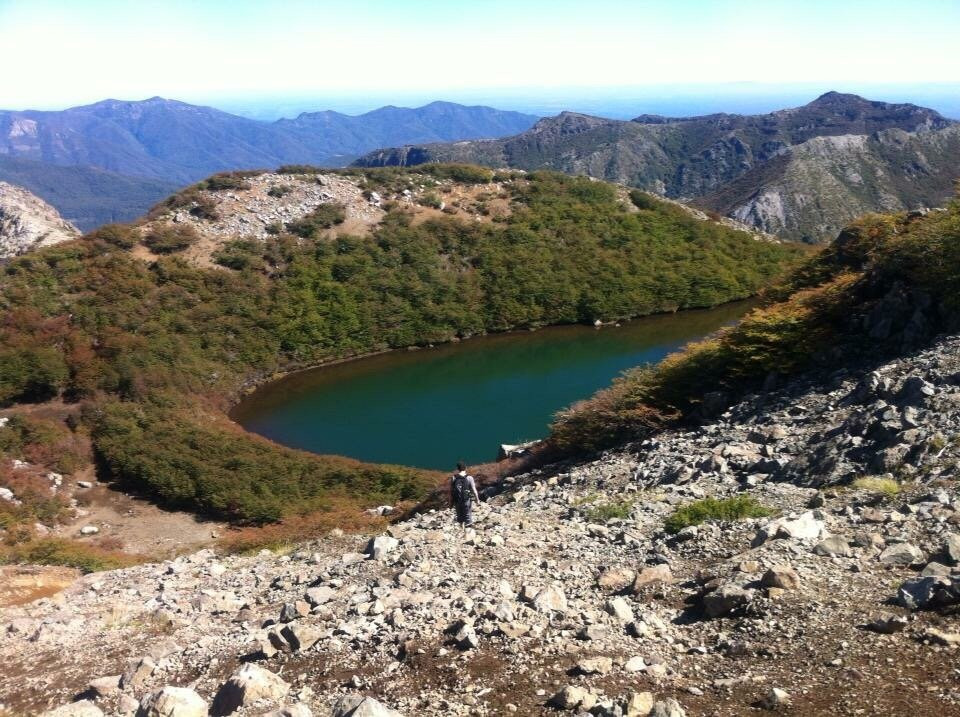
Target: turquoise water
432 407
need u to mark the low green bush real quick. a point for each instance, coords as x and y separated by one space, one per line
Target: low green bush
279 190
170 238
323 217
887 487
118 235
736 508
56 551
604 511
430 199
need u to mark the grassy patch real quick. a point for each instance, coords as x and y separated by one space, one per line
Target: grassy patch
608 510
283 536
57 551
323 217
736 508
887 487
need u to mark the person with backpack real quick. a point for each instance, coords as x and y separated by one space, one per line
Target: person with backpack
463 491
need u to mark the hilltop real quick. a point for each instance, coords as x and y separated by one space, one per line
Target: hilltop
772 526
778 171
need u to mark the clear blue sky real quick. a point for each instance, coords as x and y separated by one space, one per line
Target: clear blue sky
62 52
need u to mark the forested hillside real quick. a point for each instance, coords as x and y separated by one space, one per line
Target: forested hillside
153 350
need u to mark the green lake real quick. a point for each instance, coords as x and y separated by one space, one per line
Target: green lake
432 407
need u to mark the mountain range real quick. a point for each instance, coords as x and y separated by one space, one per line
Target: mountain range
802 173
131 154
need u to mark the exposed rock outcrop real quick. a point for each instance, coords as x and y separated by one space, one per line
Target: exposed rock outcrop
27 222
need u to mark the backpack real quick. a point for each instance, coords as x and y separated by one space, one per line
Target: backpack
460 490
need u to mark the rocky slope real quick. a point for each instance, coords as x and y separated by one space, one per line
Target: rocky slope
816 188
28 222
569 594
762 168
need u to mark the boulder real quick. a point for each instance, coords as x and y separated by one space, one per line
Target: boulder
939 637
297 710
83 708
887 624
654 575
248 684
103 686
901 554
137 673
360 706
934 568
620 609
833 547
930 591
595 665
550 599
300 636
725 600
639 704
379 547
219 601
804 527
781 576
572 697
319 595
951 548
172 702
616 579
775 699
915 391
667 708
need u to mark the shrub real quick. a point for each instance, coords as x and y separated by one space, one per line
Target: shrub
466 173
602 512
887 487
736 508
229 180
430 199
279 190
300 169
43 442
643 200
170 238
55 551
118 235
205 208
323 217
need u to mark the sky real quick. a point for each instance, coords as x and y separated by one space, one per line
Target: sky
66 52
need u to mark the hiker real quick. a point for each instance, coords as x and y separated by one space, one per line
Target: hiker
463 491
